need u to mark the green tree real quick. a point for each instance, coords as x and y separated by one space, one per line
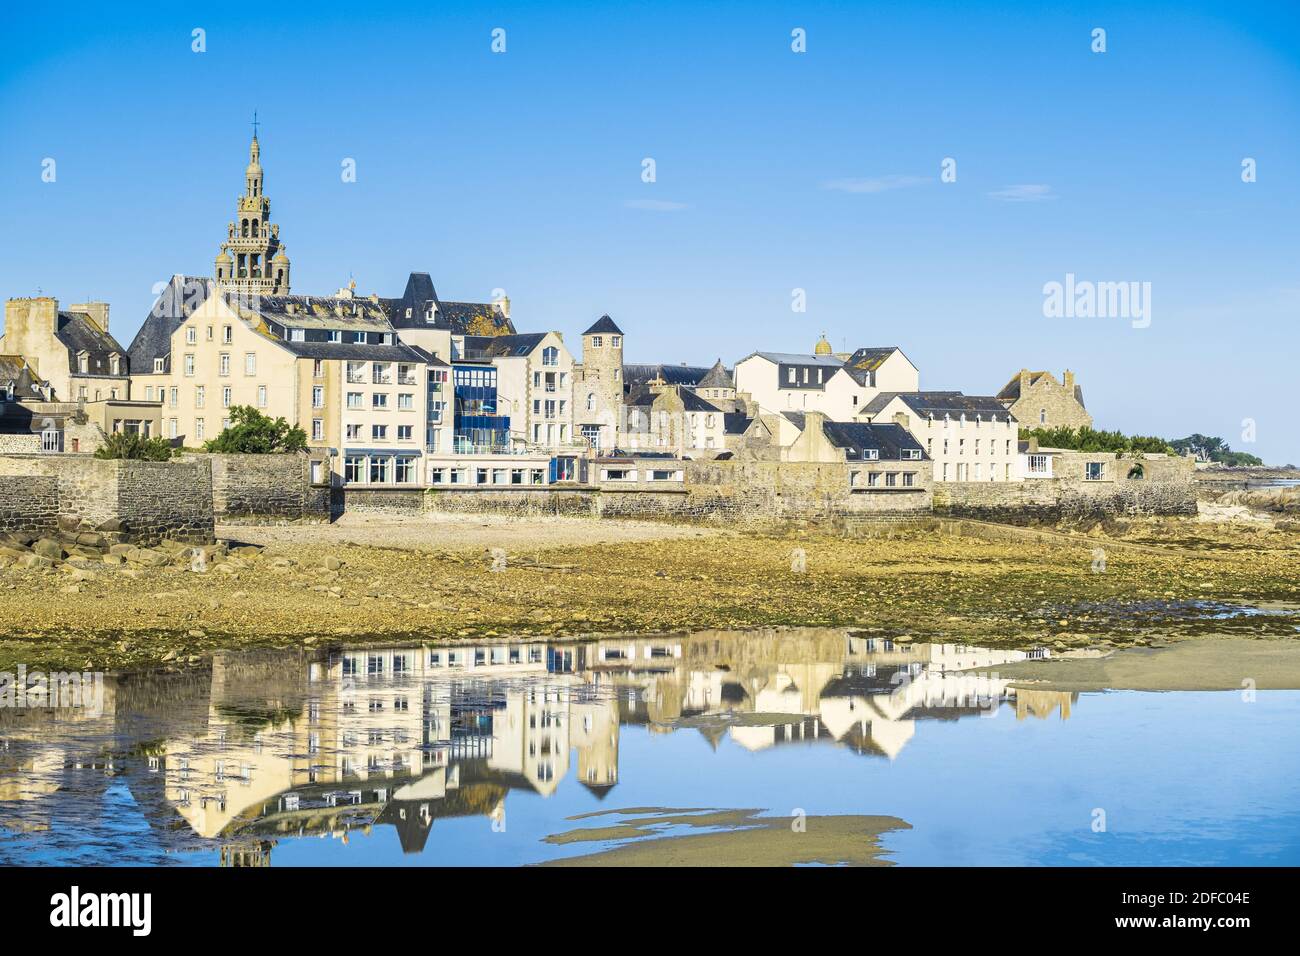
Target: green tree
1091 439
252 433
132 445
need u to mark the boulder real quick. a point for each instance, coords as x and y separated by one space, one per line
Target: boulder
90 539
48 548
36 562
112 525
332 563
148 557
69 523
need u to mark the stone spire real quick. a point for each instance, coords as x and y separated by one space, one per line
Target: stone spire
252 260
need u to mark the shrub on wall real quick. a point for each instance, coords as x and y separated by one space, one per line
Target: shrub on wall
135 447
252 433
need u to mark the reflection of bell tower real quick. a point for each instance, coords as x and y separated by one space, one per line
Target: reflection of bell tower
256 855
252 259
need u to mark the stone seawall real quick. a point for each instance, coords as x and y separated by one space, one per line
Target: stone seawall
265 489
1166 488
144 501
752 493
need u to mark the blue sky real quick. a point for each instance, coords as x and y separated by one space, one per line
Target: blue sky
775 171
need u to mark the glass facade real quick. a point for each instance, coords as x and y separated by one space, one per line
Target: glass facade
478 427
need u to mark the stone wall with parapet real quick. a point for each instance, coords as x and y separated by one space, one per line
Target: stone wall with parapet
265 489
1164 488
750 492
144 501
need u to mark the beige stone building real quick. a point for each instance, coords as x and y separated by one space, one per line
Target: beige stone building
1038 400
838 385
72 350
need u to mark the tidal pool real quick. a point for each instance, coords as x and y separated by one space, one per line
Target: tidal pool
810 746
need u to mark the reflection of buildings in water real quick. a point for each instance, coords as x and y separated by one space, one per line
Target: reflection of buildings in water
274 746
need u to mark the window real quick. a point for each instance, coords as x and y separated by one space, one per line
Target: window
318 429
597 341
209 334
173 397
354 432
354 400
189 364
353 466
380 470
227 334
226 396
405 432
250 364
406 401
198 429
1136 473
405 471
379 432
379 400
438 476
1094 471
1042 416
591 401
550 355
191 335
1039 465
909 478
158 364
873 479
318 396
261 396
297 335
614 341
891 479
911 454
200 395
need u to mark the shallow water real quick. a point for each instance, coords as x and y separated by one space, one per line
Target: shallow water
478 754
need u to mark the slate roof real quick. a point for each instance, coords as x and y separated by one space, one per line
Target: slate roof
457 317
353 351
868 360
736 423
889 438
78 333
14 368
938 404
794 358
177 303
635 375
604 325
717 377
314 311
501 346
692 402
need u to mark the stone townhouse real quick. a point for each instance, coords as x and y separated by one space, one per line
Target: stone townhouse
968 437
598 385
1038 400
72 350
883 456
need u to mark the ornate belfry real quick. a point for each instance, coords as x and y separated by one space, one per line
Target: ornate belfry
252 259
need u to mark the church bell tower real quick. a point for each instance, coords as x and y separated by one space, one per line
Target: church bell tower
252 259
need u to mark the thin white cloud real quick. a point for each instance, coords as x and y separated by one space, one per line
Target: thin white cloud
1025 192
655 205
876 184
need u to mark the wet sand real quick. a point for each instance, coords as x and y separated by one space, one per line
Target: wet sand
734 838
1217 663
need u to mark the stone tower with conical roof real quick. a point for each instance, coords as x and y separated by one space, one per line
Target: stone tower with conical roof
252 260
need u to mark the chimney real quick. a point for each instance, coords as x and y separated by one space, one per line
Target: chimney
30 324
1024 378
900 418
503 305
1068 379
98 312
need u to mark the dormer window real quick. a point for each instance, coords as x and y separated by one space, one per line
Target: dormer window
297 335
158 364
359 338
115 363
428 316
336 336
408 313
83 362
